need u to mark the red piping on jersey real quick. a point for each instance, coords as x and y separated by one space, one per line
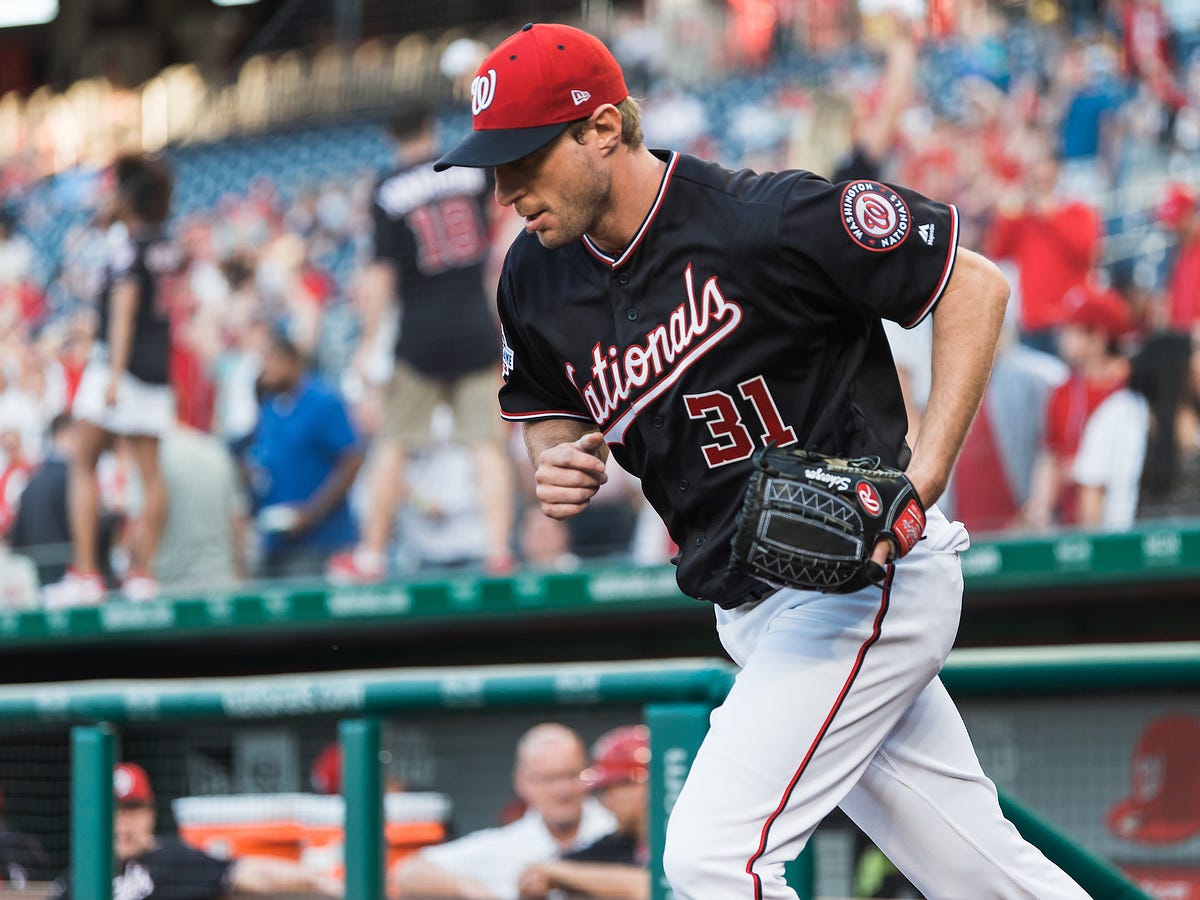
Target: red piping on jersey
837 704
951 255
641 232
544 414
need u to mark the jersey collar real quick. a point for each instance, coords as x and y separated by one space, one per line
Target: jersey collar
615 262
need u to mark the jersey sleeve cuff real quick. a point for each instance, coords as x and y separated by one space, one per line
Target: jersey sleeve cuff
510 416
947 269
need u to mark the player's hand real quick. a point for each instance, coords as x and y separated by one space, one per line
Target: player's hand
110 392
534 883
569 474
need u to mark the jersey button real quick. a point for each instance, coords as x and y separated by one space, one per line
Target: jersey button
659 421
631 315
623 278
699 540
684 484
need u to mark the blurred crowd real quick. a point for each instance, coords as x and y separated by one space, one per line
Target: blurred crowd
1071 149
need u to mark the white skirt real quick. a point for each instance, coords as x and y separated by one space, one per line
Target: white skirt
141 409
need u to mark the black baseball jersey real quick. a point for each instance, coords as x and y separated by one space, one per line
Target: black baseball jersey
746 310
171 871
434 228
614 848
152 262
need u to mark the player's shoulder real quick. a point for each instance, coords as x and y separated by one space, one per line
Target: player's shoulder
747 185
407 187
171 851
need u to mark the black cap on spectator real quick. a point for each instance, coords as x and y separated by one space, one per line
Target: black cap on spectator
408 117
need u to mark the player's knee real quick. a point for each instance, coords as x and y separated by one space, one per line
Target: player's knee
690 861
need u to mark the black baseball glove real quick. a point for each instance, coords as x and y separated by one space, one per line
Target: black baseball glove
811 521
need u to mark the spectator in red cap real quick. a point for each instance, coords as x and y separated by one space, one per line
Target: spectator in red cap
1089 344
151 867
1177 213
616 865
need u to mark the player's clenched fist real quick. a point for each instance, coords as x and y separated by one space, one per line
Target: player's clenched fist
569 474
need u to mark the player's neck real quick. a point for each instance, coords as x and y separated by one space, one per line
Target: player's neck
637 176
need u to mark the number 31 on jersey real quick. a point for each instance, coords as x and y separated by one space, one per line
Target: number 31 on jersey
725 421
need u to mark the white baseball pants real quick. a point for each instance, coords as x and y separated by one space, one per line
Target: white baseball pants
838 703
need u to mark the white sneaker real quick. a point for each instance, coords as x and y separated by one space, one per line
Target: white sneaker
140 588
358 566
75 589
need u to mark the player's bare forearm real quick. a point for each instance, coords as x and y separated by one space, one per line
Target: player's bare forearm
1090 505
333 489
568 459
259 875
603 881
418 878
377 289
966 328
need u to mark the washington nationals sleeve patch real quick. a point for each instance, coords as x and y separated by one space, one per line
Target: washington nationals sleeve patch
874 215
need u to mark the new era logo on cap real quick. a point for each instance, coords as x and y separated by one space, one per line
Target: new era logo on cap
530 88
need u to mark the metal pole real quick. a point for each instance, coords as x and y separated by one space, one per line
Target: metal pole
362 787
348 18
676 730
91 812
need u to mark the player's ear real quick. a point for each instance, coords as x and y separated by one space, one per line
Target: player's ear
606 122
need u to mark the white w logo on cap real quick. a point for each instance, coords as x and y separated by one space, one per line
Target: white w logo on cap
483 91
580 97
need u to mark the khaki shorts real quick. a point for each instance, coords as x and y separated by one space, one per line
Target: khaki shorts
412 398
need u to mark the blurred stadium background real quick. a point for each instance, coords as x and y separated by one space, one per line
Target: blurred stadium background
271 113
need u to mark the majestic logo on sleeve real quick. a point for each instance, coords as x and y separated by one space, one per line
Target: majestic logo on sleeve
483 92
644 371
874 215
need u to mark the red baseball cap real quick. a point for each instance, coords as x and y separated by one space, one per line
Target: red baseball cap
131 786
1102 310
620 755
530 88
1164 804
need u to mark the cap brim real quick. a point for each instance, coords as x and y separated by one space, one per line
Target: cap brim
1131 820
497 146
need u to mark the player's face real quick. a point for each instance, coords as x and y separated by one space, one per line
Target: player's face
547 778
627 802
133 831
560 190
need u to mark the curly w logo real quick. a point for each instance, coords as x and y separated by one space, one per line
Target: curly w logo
483 92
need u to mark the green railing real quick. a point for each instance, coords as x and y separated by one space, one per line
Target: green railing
677 696
1169 552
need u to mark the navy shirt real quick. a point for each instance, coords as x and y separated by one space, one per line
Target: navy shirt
434 228
170 871
152 263
746 310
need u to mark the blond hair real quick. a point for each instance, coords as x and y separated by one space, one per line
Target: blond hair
631 124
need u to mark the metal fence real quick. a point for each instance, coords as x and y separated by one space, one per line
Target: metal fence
675 699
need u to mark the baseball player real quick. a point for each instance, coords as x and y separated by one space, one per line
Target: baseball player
432 242
680 316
